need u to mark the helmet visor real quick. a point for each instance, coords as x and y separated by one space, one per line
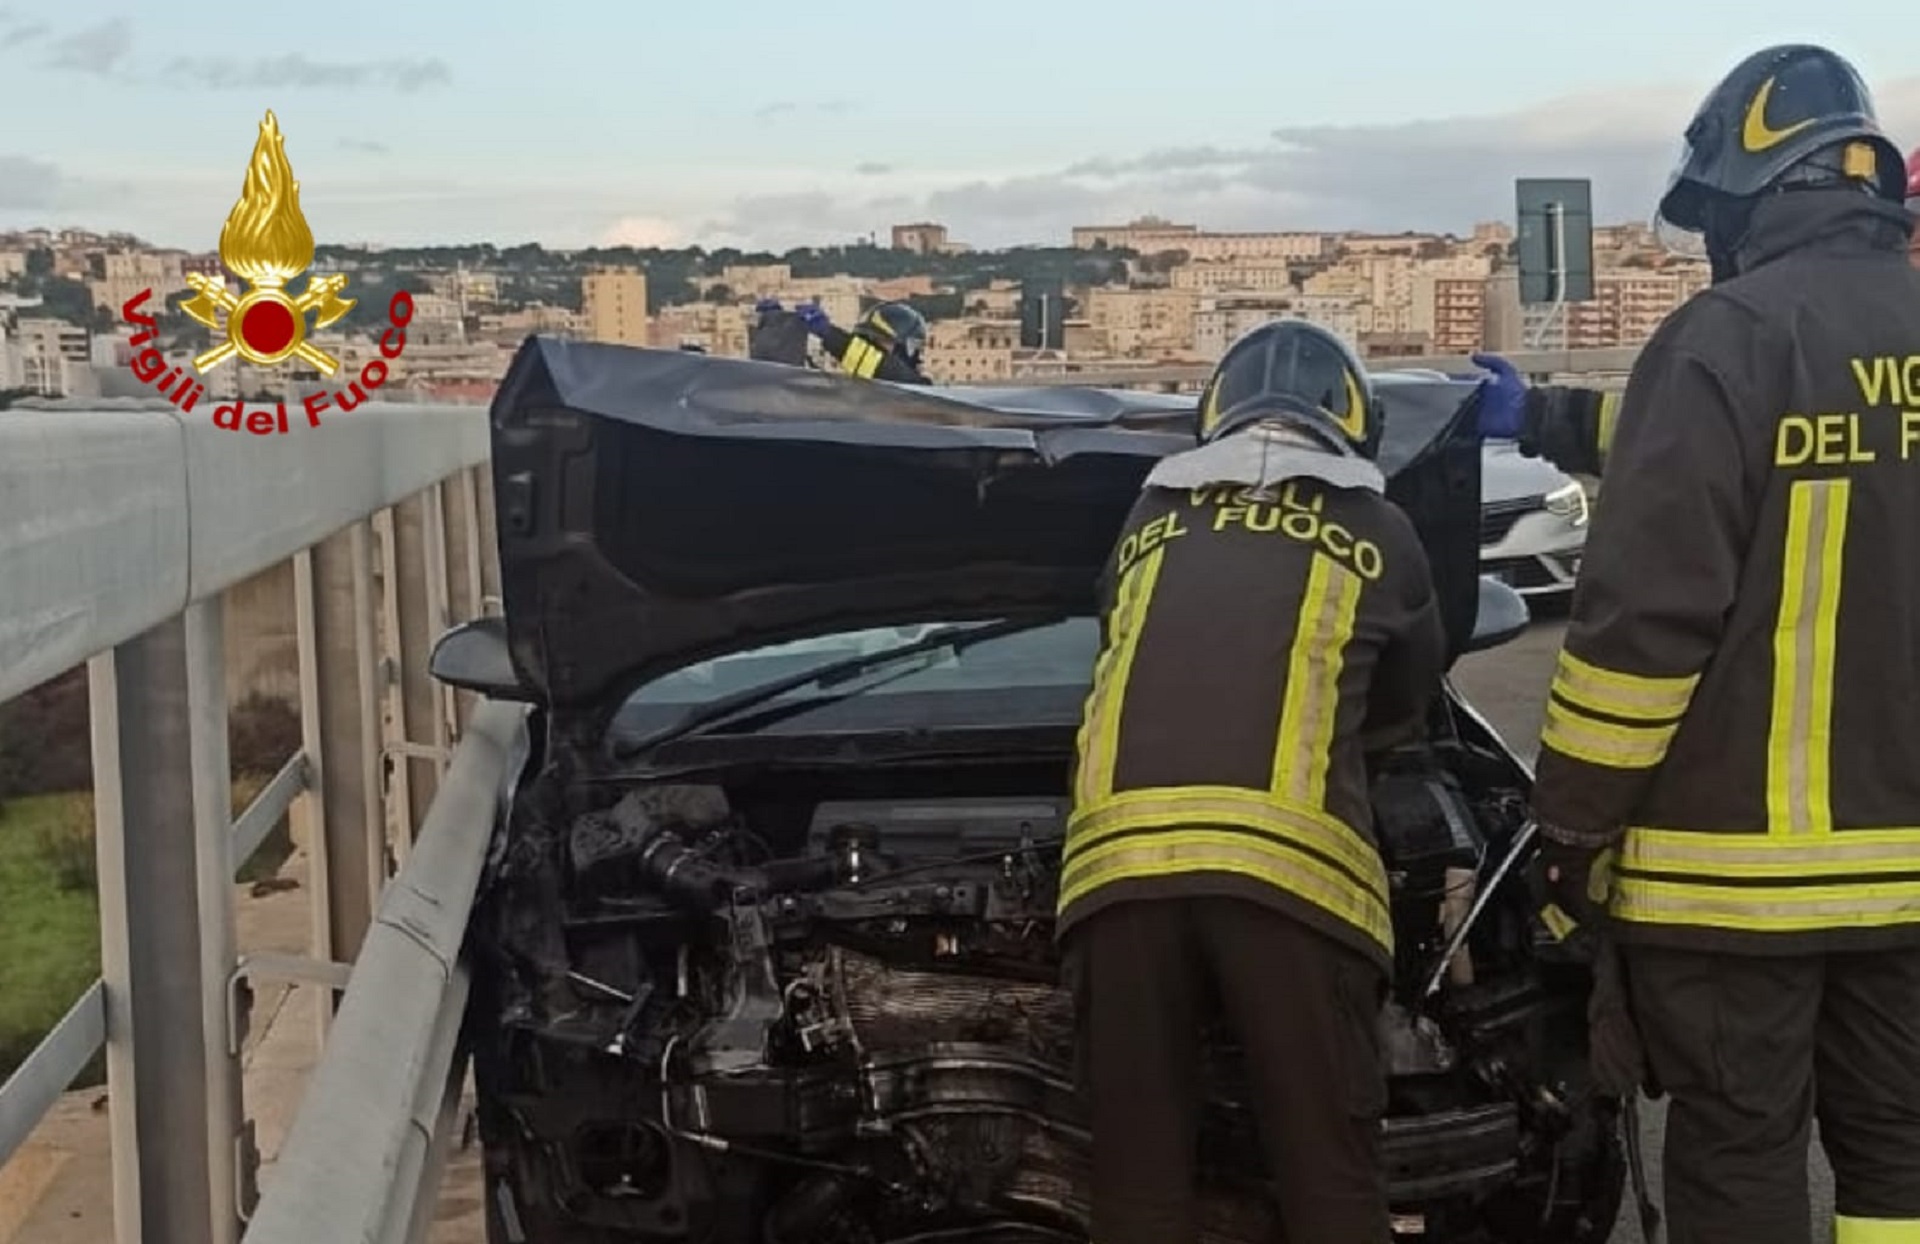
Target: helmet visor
1686 241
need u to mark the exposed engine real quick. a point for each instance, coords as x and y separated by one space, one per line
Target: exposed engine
850 1027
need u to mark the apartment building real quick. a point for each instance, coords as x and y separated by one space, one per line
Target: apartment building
839 296
1627 306
1452 312
1000 300
1407 244
466 289
718 328
1151 322
116 278
614 305
49 357
1339 315
1235 276
971 351
924 238
901 288
514 326
1150 235
1223 319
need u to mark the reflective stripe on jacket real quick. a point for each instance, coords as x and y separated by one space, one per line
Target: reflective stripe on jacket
862 358
1248 643
1741 674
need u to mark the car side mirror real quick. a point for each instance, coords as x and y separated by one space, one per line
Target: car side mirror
474 657
1502 616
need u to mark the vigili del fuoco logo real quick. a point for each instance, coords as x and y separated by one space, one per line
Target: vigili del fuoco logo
265 245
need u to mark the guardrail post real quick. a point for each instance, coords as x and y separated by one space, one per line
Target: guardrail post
415 626
482 476
350 823
463 566
163 811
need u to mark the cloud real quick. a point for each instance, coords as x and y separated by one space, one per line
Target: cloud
642 232
296 70
27 184
15 31
873 168
97 50
766 113
367 146
1442 173
780 221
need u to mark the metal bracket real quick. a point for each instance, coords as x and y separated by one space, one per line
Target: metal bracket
290 969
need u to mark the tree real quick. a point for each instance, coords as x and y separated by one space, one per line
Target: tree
64 299
39 262
939 306
721 293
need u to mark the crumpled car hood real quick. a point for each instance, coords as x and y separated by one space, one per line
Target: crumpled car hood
658 508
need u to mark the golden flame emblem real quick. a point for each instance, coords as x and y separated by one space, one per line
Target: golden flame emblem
266 243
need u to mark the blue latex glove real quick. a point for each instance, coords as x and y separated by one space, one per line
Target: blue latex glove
767 304
814 317
1503 399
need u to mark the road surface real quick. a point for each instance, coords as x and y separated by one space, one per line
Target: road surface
1509 686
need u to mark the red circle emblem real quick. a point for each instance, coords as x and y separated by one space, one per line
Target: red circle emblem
267 328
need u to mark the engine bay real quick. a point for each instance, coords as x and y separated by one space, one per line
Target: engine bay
834 1013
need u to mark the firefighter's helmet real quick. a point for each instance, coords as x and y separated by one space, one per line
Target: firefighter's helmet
1791 116
1294 372
896 327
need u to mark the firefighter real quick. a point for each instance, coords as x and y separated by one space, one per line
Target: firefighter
1264 606
1729 778
886 344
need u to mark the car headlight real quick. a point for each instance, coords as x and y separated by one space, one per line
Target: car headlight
1569 503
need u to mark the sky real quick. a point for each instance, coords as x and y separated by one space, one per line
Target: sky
768 125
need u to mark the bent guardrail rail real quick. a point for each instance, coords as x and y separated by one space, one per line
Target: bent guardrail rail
122 525
356 1167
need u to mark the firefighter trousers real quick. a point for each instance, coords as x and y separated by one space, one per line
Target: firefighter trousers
1304 1007
1753 1050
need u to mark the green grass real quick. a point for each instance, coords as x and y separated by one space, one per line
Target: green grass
49 935
49 913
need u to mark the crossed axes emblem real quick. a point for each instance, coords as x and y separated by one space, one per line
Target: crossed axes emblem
212 298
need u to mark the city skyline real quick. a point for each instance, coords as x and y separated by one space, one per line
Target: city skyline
746 126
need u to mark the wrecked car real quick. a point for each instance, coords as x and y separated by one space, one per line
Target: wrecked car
764 948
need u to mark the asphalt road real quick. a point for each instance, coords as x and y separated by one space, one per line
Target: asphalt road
1509 686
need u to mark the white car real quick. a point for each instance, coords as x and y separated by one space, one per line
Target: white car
1533 521
1533 516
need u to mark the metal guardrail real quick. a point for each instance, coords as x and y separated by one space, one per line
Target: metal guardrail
354 1167
112 521
1539 364
121 526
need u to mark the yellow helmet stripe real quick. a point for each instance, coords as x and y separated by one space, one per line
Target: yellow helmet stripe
1354 423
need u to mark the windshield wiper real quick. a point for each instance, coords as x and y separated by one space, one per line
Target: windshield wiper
955 639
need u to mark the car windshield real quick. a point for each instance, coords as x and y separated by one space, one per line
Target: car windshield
1057 655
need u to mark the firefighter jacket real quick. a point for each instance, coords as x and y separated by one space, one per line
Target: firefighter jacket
1742 662
859 357
1251 635
1570 427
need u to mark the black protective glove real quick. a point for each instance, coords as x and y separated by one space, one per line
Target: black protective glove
1576 878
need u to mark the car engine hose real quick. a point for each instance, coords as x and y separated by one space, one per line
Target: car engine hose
684 874
805 1210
